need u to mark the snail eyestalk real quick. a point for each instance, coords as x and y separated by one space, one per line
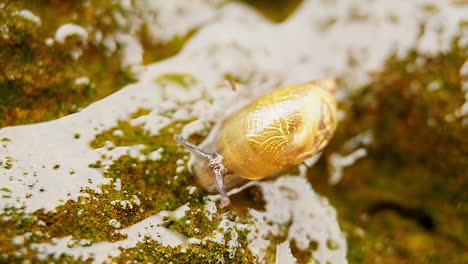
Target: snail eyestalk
215 163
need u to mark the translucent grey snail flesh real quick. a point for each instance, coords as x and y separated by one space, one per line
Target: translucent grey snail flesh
278 130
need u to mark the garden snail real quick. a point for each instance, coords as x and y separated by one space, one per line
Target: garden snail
278 130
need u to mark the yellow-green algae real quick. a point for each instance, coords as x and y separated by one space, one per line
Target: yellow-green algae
37 80
406 201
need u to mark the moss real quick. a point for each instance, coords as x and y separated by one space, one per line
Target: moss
14 224
405 202
195 223
129 135
37 80
205 252
133 135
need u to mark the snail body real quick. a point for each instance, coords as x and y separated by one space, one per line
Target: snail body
277 131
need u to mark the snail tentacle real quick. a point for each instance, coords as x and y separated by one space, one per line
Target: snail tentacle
219 179
196 151
215 163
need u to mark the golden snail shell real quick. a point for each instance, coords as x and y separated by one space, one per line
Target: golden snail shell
278 130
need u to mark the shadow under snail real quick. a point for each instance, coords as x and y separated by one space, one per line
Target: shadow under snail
278 130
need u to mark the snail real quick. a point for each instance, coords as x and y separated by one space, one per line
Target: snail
278 130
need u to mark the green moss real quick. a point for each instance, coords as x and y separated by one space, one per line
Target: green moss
404 202
195 223
16 223
131 135
205 252
125 134
5 193
37 80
